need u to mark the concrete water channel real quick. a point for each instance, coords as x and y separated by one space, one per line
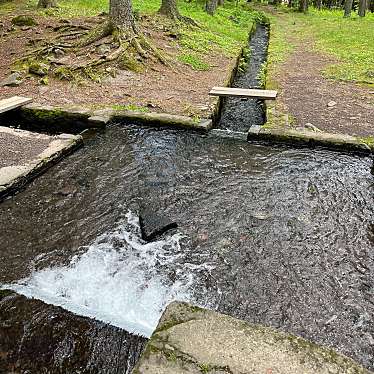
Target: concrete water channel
272 235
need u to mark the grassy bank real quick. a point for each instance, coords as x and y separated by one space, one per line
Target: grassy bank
350 40
226 32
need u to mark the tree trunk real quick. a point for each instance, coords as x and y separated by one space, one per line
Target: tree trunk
169 9
362 5
122 16
303 7
211 6
47 3
348 8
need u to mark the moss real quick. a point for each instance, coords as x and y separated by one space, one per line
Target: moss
23 20
369 141
44 114
128 62
5 293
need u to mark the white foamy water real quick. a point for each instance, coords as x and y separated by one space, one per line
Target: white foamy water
119 279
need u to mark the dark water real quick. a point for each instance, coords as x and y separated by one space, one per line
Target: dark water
240 114
275 236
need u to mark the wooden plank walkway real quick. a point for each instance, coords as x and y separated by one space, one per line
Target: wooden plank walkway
13 102
242 92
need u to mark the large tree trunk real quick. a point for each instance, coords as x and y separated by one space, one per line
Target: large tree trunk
47 3
211 6
122 16
362 5
169 8
348 8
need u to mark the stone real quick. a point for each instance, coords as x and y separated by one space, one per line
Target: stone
58 52
103 49
310 126
154 224
39 68
13 80
192 340
331 104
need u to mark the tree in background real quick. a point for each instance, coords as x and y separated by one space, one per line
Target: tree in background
211 6
47 4
348 8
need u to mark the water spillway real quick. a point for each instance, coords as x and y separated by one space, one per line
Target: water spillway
271 235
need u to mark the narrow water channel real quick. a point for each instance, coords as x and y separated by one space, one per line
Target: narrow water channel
272 235
239 114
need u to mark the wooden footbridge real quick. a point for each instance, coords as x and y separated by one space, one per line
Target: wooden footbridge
13 103
244 93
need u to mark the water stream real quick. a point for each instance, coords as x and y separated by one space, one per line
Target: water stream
271 235
239 114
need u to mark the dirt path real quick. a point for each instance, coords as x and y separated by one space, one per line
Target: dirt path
309 97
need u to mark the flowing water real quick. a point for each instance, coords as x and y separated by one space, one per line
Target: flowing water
272 235
239 114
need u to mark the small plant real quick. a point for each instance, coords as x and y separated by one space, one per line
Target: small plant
195 62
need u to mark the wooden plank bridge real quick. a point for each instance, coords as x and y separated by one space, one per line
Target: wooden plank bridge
244 93
13 103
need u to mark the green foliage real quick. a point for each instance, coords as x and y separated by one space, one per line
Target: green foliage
131 107
194 61
350 40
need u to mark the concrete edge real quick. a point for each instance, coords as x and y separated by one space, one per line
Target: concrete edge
310 138
76 119
192 339
14 178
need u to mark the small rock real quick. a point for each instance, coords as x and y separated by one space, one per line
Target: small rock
40 69
25 28
13 80
103 49
310 126
23 20
331 104
58 53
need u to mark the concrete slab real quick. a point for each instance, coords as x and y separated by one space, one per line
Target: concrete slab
24 155
193 340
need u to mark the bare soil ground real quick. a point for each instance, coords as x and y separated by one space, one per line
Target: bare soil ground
176 89
306 93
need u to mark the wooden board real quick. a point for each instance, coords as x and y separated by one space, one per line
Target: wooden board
13 102
242 92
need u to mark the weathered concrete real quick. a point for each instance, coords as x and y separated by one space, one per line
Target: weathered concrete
26 155
39 338
193 340
310 138
76 119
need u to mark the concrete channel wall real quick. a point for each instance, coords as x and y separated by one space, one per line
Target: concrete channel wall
197 341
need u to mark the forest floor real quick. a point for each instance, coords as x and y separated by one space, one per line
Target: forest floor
199 57
324 75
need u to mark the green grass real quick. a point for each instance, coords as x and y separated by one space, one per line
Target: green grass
350 40
194 61
226 32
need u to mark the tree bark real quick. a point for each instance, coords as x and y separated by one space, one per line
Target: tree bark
122 15
211 6
47 3
348 8
169 9
362 5
304 5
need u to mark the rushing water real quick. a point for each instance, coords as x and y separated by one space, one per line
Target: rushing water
275 236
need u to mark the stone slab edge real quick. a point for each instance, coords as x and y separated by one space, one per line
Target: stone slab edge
310 138
76 119
13 178
194 340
